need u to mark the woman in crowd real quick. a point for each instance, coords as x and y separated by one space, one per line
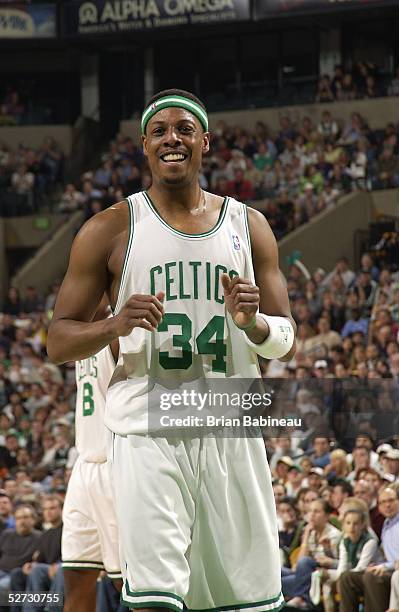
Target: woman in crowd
357 549
319 549
338 466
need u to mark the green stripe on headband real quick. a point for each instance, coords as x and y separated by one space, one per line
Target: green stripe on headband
178 102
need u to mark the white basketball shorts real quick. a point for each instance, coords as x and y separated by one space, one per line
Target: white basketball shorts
90 533
197 523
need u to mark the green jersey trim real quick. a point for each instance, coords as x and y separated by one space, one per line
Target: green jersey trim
150 604
166 594
79 564
127 253
210 232
246 224
274 604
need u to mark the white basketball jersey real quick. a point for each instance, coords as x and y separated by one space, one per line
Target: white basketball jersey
197 338
92 378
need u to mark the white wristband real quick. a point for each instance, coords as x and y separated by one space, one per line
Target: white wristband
279 341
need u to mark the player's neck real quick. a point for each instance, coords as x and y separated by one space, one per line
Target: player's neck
175 198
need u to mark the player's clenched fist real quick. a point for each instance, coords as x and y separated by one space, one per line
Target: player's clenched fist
140 310
241 297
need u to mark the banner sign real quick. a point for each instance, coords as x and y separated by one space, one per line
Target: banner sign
118 16
266 8
27 21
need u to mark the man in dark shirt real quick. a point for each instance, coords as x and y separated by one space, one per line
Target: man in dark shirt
43 572
17 545
364 490
6 511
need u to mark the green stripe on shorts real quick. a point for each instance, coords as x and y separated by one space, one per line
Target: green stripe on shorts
150 604
145 593
273 605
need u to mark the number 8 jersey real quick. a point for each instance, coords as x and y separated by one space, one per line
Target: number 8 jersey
92 378
197 338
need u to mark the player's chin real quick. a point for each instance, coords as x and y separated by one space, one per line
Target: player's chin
175 179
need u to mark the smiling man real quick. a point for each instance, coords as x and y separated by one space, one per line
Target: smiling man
197 294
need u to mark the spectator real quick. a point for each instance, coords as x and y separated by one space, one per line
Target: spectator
357 548
354 324
12 305
387 170
32 301
290 528
361 460
320 454
326 338
374 582
365 491
315 480
240 188
347 91
23 183
341 491
392 463
17 545
6 511
343 270
319 548
337 469
71 199
13 107
294 480
324 91
336 84
327 127
44 572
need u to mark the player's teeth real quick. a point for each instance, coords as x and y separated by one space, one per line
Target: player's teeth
173 157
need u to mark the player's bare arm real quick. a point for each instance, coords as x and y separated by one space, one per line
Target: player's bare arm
95 267
269 295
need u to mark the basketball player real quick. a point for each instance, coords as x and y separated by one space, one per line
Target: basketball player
197 293
90 534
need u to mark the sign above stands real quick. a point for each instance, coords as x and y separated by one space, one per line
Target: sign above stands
121 16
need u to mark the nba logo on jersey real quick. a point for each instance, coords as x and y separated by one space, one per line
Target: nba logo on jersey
236 242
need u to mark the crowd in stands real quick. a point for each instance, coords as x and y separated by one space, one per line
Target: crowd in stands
336 477
362 81
298 171
335 473
27 174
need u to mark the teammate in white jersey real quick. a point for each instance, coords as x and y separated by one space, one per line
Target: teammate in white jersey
90 535
197 294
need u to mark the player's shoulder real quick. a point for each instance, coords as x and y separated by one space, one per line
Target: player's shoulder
106 224
256 217
252 212
262 237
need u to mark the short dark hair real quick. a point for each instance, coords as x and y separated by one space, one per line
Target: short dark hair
176 92
346 487
327 509
24 506
289 501
52 497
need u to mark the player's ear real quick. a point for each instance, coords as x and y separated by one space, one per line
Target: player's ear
206 142
144 141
